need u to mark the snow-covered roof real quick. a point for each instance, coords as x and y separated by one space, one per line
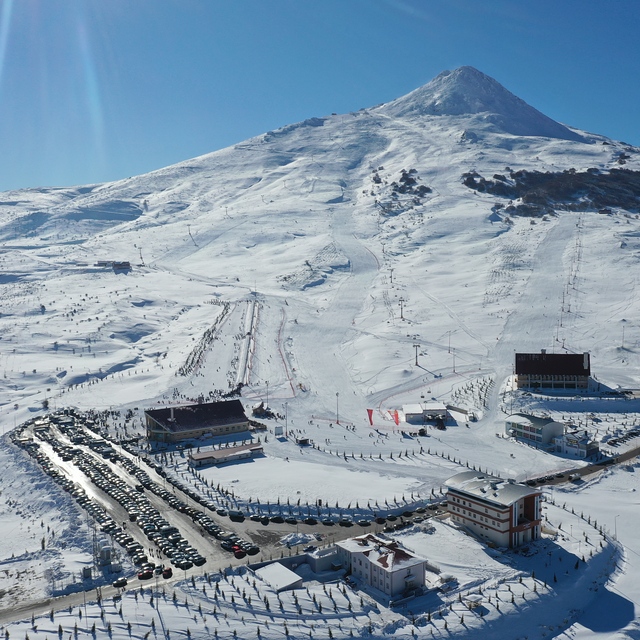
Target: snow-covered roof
384 553
219 455
434 406
412 408
581 437
524 418
279 577
489 488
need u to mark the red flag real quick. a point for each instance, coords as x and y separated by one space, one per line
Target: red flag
396 417
370 412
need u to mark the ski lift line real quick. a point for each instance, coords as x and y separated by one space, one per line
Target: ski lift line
243 370
402 390
452 314
284 361
251 349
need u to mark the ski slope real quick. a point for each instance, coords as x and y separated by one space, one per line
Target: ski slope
289 264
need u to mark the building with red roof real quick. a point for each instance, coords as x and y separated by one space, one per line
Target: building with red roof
382 564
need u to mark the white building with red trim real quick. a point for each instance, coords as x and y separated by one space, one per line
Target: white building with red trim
382 564
505 513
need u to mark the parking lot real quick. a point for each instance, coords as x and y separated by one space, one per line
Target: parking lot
158 525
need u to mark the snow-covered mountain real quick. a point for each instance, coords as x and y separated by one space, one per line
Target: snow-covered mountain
428 189
468 92
302 214
343 263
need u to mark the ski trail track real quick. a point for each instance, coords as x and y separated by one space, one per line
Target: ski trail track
319 360
537 308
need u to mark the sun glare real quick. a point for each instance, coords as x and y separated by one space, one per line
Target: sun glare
5 23
91 88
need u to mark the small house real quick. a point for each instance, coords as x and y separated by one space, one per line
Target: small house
223 455
382 564
532 429
576 443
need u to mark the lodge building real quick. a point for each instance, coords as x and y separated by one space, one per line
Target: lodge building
552 370
504 513
173 424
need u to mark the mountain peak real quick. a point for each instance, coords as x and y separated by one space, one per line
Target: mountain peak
469 92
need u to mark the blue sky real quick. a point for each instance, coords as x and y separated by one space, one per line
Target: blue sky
96 90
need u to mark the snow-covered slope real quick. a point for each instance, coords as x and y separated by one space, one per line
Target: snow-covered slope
339 264
469 92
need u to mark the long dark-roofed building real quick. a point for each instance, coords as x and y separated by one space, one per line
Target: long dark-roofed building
553 370
172 424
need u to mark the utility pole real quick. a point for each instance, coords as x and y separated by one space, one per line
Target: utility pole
267 405
391 270
286 418
337 413
416 346
401 301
